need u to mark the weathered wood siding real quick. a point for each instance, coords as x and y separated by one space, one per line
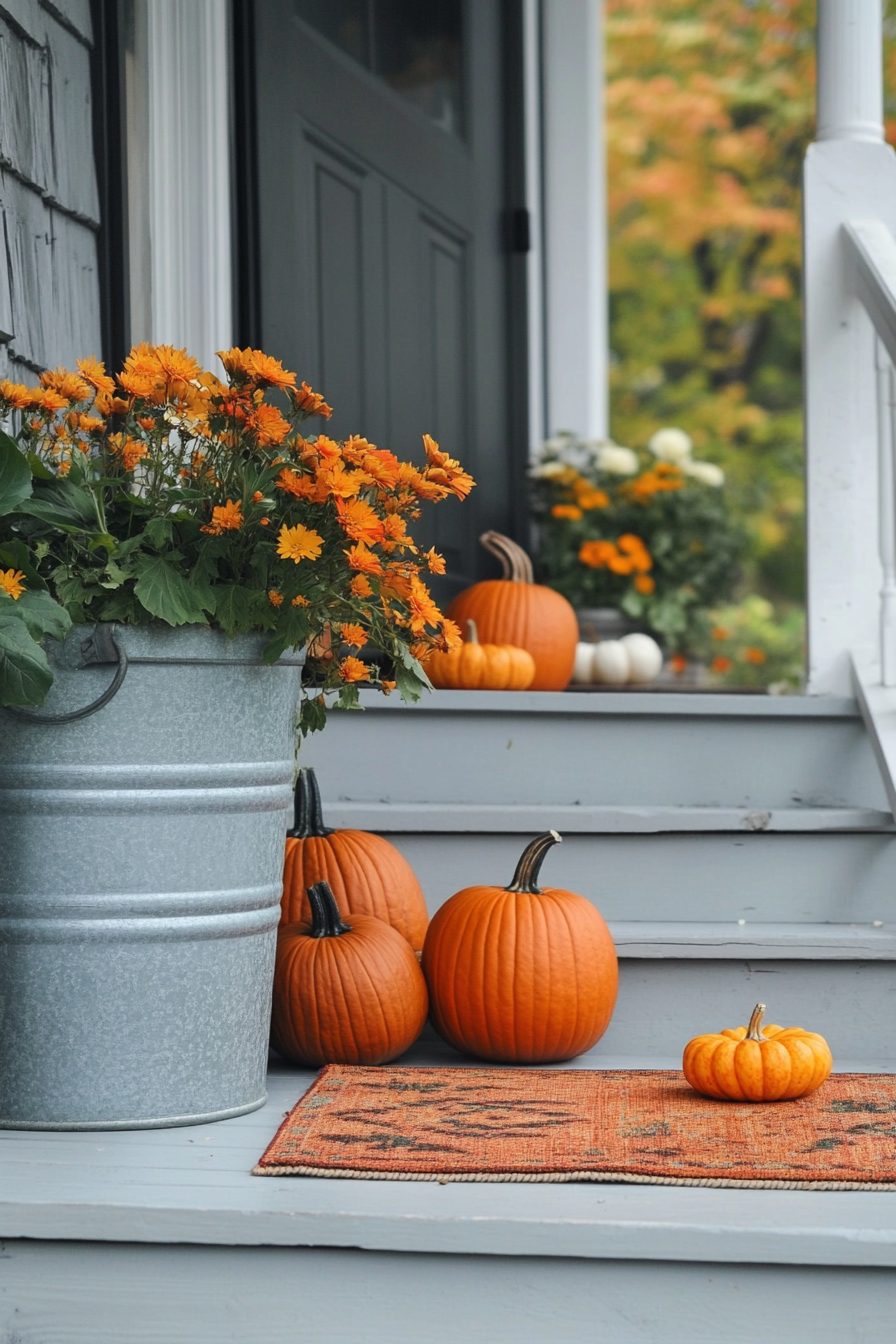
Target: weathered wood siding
49 205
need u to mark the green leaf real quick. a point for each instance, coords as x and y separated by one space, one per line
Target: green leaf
292 632
63 505
43 615
205 594
39 469
25 675
15 475
410 679
158 532
166 594
232 608
312 715
14 554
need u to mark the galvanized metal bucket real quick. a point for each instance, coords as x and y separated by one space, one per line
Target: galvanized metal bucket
141 859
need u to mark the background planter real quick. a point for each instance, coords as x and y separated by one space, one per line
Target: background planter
140 879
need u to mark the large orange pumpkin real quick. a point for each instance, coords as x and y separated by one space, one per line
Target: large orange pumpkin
757 1063
367 875
481 667
520 973
516 610
344 993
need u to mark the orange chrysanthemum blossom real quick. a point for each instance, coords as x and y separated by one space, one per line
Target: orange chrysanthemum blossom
359 521
754 655
275 598
113 406
302 487
300 601
421 608
382 467
387 687
67 384
237 363
360 586
334 481
299 543
413 484
93 371
596 554
355 635
47 399
360 558
352 669
633 547
592 499
12 582
311 402
570 511
644 584
451 637
146 422
435 563
91 424
268 426
395 534
270 371
445 470
663 477
720 663
14 395
225 518
132 452
677 664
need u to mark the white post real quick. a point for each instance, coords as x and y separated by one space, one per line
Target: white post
886 438
850 173
188 82
574 217
532 94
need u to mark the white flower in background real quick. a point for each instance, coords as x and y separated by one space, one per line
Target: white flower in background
671 445
558 443
547 470
707 472
615 460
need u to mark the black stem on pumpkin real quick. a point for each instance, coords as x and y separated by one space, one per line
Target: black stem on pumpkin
526 876
309 818
326 921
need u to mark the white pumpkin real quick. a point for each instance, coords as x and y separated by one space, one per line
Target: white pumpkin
583 666
611 662
645 658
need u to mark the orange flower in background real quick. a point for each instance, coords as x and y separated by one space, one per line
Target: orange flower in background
446 471
644 584
269 370
359 521
132 452
570 511
719 633
677 664
352 669
15 395
46 399
68 385
299 543
300 601
355 635
592 499
360 586
451 636
435 563
268 425
423 610
720 663
387 686
93 371
311 402
360 558
303 487
225 518
596 554
275 598
12 582
755 656
238 363
663 477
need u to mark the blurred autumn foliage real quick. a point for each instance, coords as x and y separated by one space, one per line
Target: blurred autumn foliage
710 106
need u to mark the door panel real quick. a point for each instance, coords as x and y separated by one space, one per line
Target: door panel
383 279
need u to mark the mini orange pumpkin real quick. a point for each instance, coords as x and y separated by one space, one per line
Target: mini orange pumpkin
345 993
367 875
482 667
516 610
755 1064
520 973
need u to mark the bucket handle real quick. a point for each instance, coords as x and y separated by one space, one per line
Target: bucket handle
98 647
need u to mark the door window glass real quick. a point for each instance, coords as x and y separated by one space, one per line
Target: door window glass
416 46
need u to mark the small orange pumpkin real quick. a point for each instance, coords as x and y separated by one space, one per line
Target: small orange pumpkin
516 610
482 667
757 1064
521 974
345 993
367 875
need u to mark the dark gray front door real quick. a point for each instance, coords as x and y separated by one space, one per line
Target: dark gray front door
384 277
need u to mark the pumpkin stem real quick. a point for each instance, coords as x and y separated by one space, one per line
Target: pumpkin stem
326 921
526 876
309 818
754 1030
515 562
472 632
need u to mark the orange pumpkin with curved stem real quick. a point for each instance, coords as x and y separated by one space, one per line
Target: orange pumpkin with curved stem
516 610
344 993
521 973
367 875
481 667
753 1063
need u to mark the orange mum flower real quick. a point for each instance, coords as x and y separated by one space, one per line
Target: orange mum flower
753 655
644 584
352 669
445 471
435 563
275 598
451 636
359 521
311 402
268 426
15 395
719 633
592 499
300 601
361 586
721 664
361 559
570 511
299 543
423 610
67 384
302 487
677 664
269 370
225 518
387 686
131 453
12 582
355 635
596 554
237 362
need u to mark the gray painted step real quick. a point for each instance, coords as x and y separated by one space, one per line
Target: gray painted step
752 753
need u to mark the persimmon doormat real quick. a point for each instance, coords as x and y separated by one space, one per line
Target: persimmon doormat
526 1124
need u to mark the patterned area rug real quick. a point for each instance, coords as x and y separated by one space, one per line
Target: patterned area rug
412 1124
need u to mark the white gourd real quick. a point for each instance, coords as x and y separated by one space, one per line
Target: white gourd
611 662
645 657
583 667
